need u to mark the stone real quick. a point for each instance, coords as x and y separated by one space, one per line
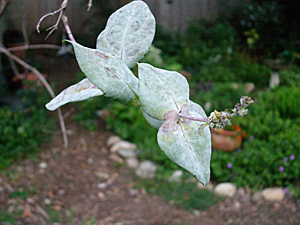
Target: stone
257 196
249 87
274 80
176 176
102 185
207 106
273 194
116 158
237 205
47 201
146 169
43 165
209 186
102 175
127 153
196 213
122 145
225 189
132 163
241 191
113 140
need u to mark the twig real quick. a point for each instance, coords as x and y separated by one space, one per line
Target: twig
45 83
89 5
66 24
54 27
26 47
67 114
3 6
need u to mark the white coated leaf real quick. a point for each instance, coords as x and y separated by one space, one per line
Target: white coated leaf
108 73
161 90
129 32
152 122
75 93
192 106
182 144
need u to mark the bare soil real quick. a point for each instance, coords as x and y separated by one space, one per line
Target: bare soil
81 183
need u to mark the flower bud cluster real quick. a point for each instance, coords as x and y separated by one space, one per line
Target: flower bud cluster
219 120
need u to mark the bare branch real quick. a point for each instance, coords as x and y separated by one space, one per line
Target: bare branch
3 6
45 83
26 47
66 24
89 5
54 27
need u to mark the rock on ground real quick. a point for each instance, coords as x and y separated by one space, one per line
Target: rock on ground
273 194
146 169
225 189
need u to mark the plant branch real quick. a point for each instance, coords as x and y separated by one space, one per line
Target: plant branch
193 118
26 47
67 27
54 27
3 6
45 83
89 5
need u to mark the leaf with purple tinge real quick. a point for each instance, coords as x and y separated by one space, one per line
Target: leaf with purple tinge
161 90
108 73
180 141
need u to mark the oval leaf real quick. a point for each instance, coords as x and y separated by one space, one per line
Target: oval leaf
75 93
108 73
152 122
161 90
182 144
129 32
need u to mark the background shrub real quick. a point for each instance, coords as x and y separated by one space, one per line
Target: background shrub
21 132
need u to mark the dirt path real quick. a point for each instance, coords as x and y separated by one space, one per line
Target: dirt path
81 184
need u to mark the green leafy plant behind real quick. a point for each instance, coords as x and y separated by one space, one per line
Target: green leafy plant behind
20 131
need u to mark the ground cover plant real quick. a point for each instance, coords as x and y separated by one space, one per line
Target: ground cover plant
20 130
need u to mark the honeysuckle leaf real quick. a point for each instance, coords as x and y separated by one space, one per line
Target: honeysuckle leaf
108 73
161 90
151 121
129 32
75 93
180 141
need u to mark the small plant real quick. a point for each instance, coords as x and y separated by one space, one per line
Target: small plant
183 127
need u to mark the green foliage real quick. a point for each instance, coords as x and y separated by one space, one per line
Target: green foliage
6 217
221 96
21 132
270 156
207 40
185 194
272 22
290 77
86 115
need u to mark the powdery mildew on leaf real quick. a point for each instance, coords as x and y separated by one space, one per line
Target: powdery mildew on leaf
161 90
182 144
108 73
75 93
151 121
129 32
192 106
